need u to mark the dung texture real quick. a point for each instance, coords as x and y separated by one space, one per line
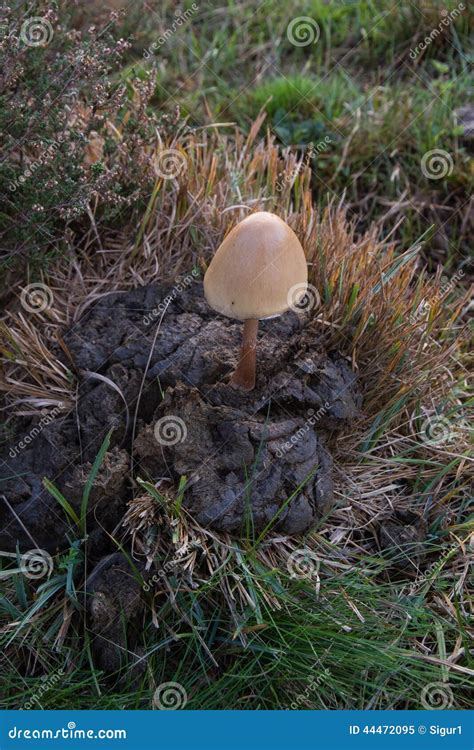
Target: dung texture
153 370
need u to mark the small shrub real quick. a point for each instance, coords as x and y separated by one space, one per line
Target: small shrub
75 136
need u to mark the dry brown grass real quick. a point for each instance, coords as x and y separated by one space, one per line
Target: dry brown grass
402 332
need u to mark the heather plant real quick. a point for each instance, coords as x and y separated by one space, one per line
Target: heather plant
74 133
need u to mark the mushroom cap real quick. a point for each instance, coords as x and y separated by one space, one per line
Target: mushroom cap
258 271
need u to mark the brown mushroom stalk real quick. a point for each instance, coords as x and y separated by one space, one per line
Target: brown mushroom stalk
244 374
258 272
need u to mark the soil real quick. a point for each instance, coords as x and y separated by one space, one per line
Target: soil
403 535
114 606
258 459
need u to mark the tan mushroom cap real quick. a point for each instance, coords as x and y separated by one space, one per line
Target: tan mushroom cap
258 271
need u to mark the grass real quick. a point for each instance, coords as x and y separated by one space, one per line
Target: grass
357 84
372 625
348 642
362 663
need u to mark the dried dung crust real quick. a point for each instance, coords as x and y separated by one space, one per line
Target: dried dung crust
258 458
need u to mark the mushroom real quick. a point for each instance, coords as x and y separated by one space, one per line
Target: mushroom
258 272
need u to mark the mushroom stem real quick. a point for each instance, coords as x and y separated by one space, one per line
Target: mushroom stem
244 375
